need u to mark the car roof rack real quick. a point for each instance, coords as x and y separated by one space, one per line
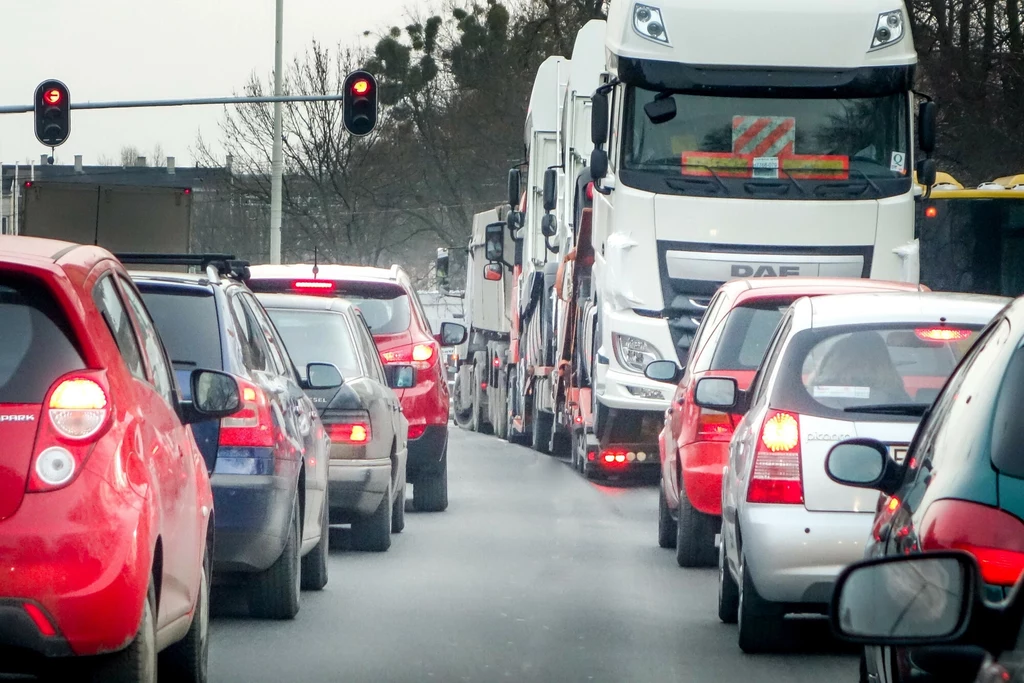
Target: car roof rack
215 265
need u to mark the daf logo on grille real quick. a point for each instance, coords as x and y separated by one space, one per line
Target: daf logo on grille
17 418
745 270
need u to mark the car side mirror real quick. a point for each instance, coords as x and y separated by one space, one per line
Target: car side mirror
598 164
214 395
663 371
513 187
718 393
906 600
550 189
494 242
452 334
865 464
926 123
599 118
401 376
323 376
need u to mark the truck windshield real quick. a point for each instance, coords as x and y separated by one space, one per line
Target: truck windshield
768 147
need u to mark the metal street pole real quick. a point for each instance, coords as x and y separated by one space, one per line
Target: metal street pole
276 163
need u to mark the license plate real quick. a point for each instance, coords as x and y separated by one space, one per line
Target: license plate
898 453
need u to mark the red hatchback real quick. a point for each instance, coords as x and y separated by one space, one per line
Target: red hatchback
694 443
401 331
105 501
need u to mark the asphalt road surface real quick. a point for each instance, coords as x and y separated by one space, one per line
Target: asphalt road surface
533 574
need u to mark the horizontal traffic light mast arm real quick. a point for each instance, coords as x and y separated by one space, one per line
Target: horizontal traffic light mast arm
135 104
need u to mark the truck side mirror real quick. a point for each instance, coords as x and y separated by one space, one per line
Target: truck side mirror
441 267
598 164
549 225
494 242
926 173
513 187
926 113
550 189
599 118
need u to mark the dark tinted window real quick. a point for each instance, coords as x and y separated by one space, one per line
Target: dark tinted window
255 354
35 343
188 324
1007 425
747 332
163 380
317 337
108 301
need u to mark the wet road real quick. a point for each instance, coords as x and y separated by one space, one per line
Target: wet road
533 574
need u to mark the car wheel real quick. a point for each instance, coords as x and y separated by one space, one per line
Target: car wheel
373 533
137 663
760 621
430 493
274 593
398 513
186 661
666 525
314 565
728 591
695 535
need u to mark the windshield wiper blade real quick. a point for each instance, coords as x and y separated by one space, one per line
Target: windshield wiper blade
868 179
911 409
798 186
714 175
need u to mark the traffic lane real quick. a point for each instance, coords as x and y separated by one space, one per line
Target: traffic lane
533 574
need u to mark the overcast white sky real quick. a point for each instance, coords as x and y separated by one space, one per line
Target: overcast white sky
145 49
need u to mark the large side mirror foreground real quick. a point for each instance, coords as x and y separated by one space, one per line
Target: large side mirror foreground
214 395
663 371
452 334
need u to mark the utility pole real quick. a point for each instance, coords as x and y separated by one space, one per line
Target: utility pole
276 164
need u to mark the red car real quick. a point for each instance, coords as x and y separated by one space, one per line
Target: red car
401 331
105 504
694 444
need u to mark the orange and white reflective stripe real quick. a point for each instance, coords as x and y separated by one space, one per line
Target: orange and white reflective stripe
763 136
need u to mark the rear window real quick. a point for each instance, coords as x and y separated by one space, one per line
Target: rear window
385 305
188 323
842 371
317 337
35 341
746 332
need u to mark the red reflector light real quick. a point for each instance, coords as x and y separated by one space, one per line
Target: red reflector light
590 457
28 183
931 212
496 362
319 285
483 385
590 192
40 620
416 431
53 96
994 537
941 334
714 426
355 433
579 419
777 477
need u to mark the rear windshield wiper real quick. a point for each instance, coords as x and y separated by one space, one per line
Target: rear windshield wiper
910 409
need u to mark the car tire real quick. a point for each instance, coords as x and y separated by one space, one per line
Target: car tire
314 565
695 535
666 525
187 660
398 513
137 663
761 627
274 593
373 533
728 591
542 424
430 493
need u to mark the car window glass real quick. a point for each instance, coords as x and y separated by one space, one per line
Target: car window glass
1007 426
421 313
163 379
114 314
745 335
318 337
36 344
706 322
370 350
775 348
255 354
188 324
278 354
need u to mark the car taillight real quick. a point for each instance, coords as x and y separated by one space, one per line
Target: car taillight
416 431
78 408
776 476
252 425
714 426
351 433
313 285
420 356
994 537
941 334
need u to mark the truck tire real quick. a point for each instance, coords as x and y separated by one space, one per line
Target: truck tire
499 408
511 435
274 593
540 437
480 421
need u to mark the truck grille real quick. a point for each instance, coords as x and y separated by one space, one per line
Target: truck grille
684 315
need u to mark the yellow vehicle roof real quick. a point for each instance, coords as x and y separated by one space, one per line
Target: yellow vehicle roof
953 189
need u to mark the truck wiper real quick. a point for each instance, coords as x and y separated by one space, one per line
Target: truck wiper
797 185
725 188
909 409
868 180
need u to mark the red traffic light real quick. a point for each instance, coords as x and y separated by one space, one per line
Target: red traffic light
53 96
361 87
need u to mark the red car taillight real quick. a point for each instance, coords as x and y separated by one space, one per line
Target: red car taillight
78 408
994 537
351 433
776 476
420 356
252 425
714 426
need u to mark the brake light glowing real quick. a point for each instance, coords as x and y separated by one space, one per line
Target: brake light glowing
320 285
251 426
422 352
994 537
78 408
355 433
614 457
416 431
496 362
941 334
714 426
776 477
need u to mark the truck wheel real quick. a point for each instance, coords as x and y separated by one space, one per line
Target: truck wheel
695 535
430 493
500 410
511 435
542 424
275 592
373 533
480 423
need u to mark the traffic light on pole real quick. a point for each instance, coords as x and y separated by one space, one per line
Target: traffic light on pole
359 103
52 105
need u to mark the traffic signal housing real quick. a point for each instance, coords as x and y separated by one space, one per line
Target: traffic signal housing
359 103
53 113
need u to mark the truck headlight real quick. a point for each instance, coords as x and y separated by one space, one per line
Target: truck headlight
632 353
648 23
888 30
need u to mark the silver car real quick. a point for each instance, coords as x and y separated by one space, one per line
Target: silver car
842 366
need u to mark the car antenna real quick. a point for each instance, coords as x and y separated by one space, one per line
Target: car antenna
316 268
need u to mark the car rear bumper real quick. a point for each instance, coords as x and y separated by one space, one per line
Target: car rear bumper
702 465
794 556
253 513
356 487
82 555
427 453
